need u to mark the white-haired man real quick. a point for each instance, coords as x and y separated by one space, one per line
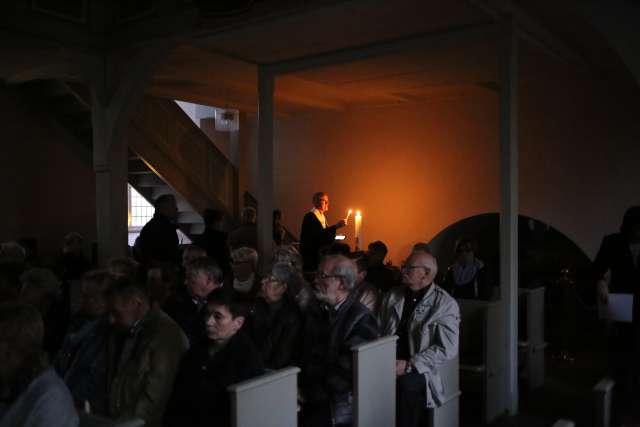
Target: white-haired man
427 322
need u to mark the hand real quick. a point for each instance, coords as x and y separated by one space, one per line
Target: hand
603 292
401 367
341 223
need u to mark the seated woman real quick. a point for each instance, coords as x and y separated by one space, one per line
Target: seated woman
466 278
244 263
275 323
227 356
31 393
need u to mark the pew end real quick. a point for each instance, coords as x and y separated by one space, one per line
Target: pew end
253 401
374 383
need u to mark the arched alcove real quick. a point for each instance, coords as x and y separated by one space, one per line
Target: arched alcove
543 250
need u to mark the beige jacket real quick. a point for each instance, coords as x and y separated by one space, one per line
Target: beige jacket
434 331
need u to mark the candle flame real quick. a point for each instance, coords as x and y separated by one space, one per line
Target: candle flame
358 213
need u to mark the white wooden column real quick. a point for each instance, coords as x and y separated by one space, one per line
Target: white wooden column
266 86
110 164
113 96
509 206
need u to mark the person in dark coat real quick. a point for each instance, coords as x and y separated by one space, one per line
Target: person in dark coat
617 270
335 323
213 240
378 274
315 233
186 306
276 322
246 234
158 240
226 357
81 359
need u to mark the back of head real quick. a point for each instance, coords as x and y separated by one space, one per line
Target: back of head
126 288
212 217
124 267
192 252
166 205
288 254
21 342
12 253
72 243
249 215
631 220
207 266
40 285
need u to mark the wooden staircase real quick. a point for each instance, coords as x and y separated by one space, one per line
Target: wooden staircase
168 153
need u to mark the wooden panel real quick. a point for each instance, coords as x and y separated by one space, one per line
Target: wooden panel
267 401
375 383
182 155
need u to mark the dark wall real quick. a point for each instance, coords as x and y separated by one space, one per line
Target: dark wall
48 189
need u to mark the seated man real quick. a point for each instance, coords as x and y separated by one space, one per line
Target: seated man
330 332
427 322
31 394
226 357
143 355
81 360
186 307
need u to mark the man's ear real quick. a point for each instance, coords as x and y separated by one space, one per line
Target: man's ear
238 322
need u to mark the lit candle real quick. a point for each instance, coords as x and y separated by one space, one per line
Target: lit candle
358 229
346 220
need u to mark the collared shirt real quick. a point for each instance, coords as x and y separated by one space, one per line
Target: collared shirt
320 216
411 300
244 286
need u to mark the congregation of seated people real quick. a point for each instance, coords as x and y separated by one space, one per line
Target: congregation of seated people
161 338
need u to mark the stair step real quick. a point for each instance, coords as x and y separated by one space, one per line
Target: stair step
151 180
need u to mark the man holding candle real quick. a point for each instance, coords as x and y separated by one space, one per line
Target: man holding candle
316 233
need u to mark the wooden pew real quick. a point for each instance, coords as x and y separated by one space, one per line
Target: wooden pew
603 393
91 420
532 348
270 400
374 383
482 355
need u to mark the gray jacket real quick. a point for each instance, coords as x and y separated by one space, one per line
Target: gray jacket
434 331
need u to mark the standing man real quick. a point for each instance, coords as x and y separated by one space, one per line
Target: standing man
316 233
158 241
427 322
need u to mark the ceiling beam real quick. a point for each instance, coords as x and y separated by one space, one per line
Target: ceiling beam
530 29
449 37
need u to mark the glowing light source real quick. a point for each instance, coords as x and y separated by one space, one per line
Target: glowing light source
358 229
227 120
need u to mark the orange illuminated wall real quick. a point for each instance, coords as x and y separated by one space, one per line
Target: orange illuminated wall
411 170
415 169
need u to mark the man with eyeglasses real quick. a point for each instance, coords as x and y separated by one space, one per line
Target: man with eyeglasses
427 322
332 327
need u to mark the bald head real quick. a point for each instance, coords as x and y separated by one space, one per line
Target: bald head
419 270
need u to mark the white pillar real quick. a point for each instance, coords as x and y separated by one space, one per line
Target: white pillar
509 207
110 164
266 86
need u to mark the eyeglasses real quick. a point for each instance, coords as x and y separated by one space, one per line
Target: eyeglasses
322 276
408 268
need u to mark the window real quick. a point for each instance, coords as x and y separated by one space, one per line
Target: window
140 212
